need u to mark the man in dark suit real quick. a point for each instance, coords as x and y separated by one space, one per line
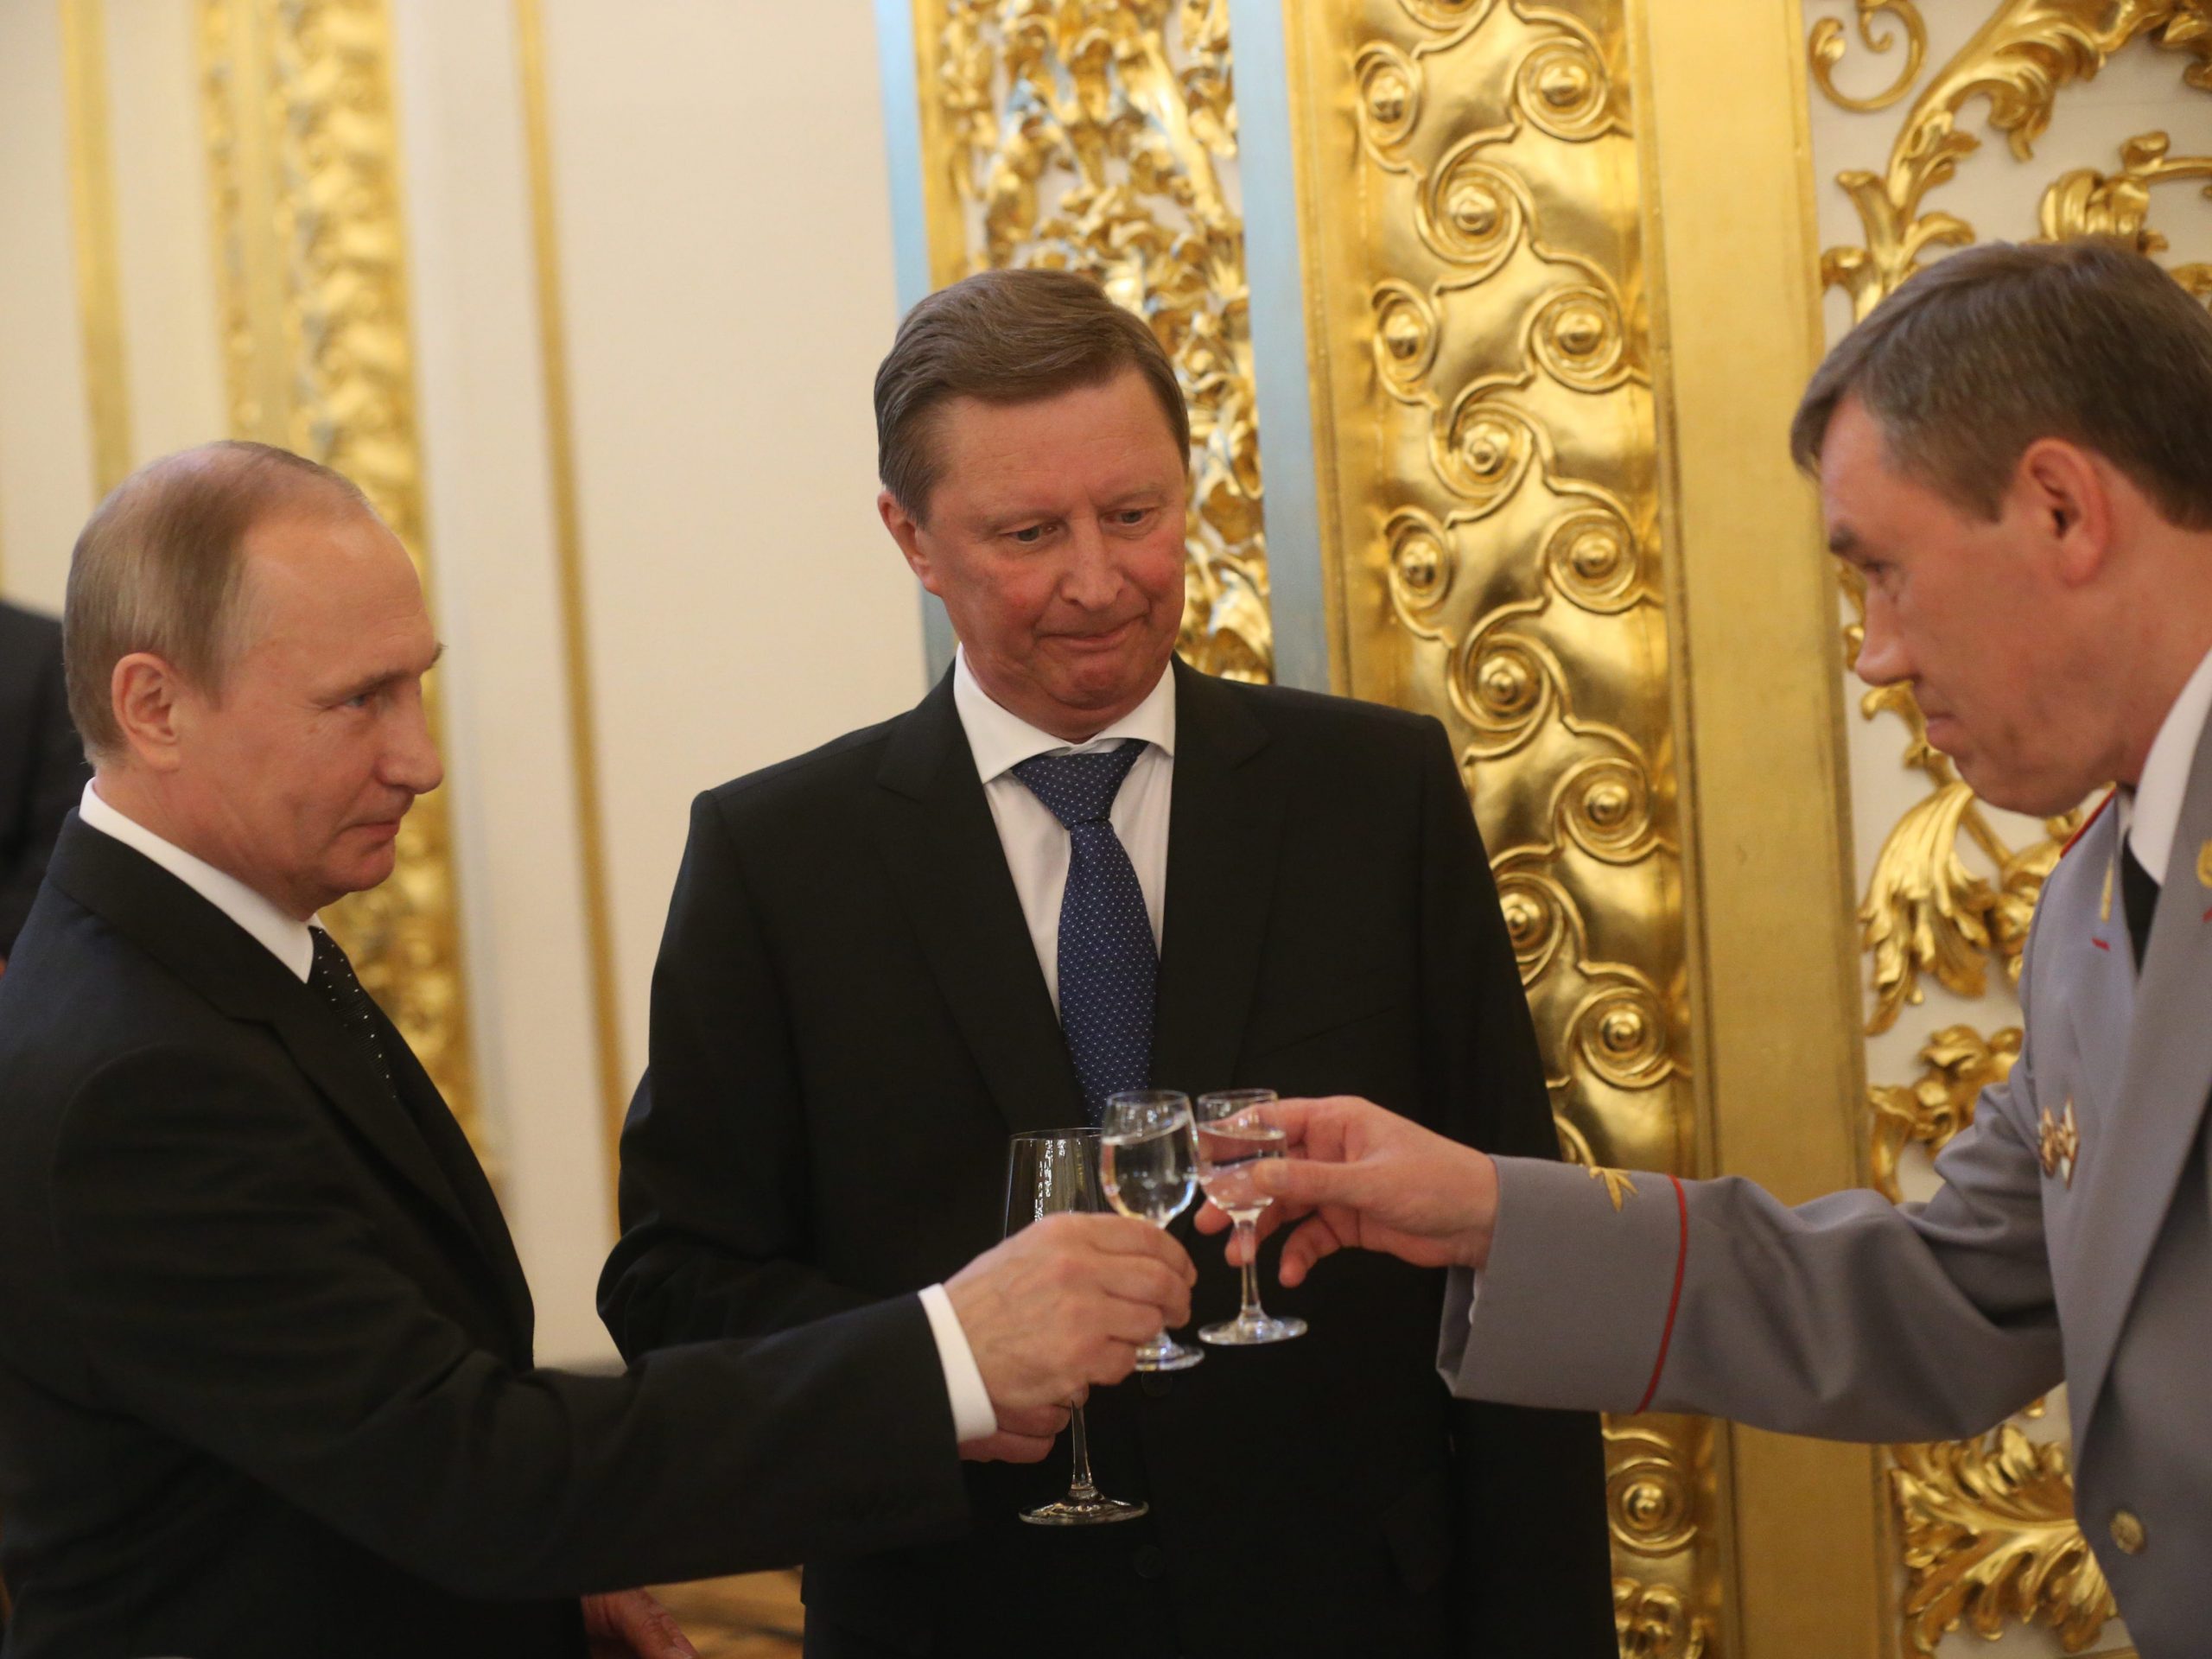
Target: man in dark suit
43 767
883 956
265 1376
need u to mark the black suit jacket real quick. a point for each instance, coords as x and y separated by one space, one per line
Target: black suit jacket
42 769
848 1019
265 1377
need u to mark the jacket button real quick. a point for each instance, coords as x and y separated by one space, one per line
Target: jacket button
2127 1532
1151 1561
1155 1383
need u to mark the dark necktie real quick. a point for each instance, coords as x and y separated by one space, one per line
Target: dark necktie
1108 967
333 977
2139 896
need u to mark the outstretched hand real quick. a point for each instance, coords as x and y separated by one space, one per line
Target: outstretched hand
1360 1178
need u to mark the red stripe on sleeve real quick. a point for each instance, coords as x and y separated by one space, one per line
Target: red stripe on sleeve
1674 1301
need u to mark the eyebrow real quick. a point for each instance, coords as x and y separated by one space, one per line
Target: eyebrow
377 681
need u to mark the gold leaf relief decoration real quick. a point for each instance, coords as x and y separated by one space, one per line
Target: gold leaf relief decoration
1989 1540
1086 135
1959 1063
1988 1524
1489 465
304 156
1830 44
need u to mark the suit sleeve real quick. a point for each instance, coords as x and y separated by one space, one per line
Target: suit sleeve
715 1160
55 780
1849 1318
1535 1558
225 1288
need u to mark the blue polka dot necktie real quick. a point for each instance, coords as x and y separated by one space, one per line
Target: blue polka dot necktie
1108 965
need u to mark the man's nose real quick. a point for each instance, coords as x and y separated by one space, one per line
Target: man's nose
1881 659
411 760
1093 578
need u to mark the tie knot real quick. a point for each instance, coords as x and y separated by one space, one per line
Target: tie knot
1079 788
332 965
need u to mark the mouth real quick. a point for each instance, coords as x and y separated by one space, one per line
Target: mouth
1106 640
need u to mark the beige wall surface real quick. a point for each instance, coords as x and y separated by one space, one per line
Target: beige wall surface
723 250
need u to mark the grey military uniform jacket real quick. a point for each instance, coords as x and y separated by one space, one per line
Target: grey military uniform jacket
2071 1240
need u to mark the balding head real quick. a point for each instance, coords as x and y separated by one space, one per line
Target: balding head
160 567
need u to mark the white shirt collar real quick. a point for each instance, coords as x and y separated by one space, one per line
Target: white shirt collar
287 939
1001 739
2150 814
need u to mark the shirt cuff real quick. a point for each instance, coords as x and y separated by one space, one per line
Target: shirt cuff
1474 1292
973 1419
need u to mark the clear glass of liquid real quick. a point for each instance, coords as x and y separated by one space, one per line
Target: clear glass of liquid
1149 1167
1235 1130
1046 1175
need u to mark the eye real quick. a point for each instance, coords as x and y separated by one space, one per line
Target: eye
1130 518
1028 535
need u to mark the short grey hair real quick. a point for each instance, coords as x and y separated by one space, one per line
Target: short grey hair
1998 346
160 567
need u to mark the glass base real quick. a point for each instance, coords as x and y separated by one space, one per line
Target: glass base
1250 1329
1169 1355
1093 1511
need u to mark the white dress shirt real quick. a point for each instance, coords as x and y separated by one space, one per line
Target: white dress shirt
291 943
2150 814
1036 843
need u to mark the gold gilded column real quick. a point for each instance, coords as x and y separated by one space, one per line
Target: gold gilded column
1090 135
303 156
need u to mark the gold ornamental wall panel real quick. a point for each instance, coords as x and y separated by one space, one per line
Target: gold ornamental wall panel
1487 444
1100 136
303 154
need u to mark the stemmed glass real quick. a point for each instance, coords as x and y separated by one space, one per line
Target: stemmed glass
1046 1175
1236 1128
1148 1163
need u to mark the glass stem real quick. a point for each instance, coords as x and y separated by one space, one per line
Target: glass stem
1080 1489
1248 1242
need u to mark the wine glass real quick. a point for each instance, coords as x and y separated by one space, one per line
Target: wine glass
1236 1128
1147 1162
1046 1175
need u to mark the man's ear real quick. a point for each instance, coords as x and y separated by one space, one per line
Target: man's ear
144 692
2066 494
906 530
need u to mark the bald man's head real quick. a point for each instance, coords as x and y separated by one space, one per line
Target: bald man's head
160 567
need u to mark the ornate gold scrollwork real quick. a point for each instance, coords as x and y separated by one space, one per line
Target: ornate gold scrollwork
1960 1063
1829 45
2019 61
1654 1621
2085 202
1085 136
304 156
1990 1538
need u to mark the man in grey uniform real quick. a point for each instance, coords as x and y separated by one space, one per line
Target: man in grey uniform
2015 450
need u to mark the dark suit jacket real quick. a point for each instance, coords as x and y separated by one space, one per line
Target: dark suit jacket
848 1020
42 769
265 1377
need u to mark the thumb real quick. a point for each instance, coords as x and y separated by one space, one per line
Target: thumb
1299 1181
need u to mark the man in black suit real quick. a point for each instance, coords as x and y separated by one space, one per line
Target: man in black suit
41 763
883 956
265 1376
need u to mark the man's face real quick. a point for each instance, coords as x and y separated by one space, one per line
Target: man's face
1054 537
319 745
1978 616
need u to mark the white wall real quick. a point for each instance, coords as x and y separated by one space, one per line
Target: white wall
725 247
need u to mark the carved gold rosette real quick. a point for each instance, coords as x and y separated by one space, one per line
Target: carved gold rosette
1089 135
1487 447
304 156
1988 1525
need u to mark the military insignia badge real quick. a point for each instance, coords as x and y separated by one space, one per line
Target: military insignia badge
1618 1185
2059 1142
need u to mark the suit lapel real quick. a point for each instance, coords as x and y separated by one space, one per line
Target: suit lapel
2133 1165
2103 1004
220 961
941 848
1224 837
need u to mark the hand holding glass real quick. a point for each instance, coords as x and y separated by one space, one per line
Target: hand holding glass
1147 1162
1046 1174
1237 1130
